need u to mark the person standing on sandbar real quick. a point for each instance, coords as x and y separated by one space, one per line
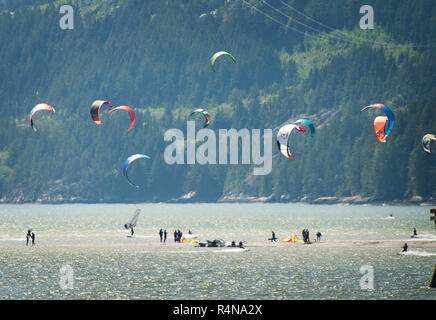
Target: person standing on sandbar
28 236
160 234
33 238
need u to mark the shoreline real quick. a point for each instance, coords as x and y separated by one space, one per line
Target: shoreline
318 201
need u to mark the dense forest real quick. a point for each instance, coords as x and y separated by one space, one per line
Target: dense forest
295 58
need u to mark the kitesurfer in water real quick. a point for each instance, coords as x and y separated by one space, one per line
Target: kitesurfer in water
405 247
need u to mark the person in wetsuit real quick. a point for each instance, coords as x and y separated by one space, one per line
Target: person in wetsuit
273 237
28 236
33 238
405 247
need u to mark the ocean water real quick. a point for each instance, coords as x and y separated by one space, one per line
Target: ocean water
82 252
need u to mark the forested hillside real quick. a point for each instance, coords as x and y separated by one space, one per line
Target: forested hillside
295 58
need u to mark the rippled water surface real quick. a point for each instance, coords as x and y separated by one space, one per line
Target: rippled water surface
103 263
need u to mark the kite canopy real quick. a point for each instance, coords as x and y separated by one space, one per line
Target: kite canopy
205 114
426 142
95 110
129 111
128 162
37 108
309 125
382 125
379 127
283 139
217 55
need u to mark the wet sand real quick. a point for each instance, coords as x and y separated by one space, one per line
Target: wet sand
413 243
180 247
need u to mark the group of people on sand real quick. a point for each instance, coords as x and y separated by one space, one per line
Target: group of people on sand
239 245
163 235
177 235
30 235
305 234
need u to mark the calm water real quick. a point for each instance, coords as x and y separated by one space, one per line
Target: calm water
105 264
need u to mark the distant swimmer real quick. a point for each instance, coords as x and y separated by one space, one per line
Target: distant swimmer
405 247
318 236
273 237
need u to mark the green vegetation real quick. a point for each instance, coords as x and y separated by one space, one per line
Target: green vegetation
154 56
